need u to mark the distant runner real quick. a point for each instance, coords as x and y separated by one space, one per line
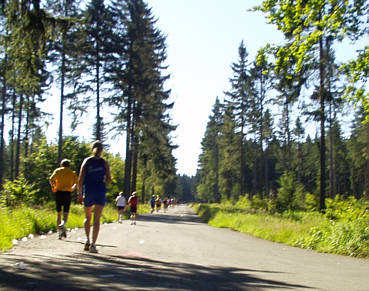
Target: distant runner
121 205
152 203
166 203
157 203
63 182
133 203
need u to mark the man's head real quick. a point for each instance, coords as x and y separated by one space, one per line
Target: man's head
97 148
65 163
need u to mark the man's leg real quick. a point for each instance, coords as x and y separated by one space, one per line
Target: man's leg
68 199
87 225
97 215
58 218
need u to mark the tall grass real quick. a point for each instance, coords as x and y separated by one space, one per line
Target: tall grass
22 221
344 229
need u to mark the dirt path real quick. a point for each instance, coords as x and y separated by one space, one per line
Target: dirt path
174 251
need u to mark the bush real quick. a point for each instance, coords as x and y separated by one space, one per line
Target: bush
17 192
258 203
311 202
244 201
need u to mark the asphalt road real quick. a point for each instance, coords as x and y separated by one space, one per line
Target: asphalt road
174 251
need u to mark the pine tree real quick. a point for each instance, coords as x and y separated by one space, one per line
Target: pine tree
359 156
139 96
208 170
229 174
97 32
239 97
308 24
65 58
4 100
261 84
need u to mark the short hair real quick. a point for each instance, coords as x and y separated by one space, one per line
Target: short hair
65 163
97 144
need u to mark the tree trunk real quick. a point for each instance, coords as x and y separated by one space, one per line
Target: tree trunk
288 134
242 157
128 159
128 163
27 127
331 194
3 111
14 102
266 173
62 73
217 194
2 127
134 167
322 126
17 150
98 117
134 149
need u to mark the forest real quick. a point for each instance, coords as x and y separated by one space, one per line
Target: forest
102 57
109 56
258 141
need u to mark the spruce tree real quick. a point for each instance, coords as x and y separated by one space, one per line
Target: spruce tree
229 174
140 95
208 170
97 30
307 24
261 84
64 58
240 98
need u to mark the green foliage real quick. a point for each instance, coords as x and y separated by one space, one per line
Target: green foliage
17 192
342 230
117 174
311 202
244 202
21 221
291 194
258 203
39 165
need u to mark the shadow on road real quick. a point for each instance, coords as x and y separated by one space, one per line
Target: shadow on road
83 271
168 217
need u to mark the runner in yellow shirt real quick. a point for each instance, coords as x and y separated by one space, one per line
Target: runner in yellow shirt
63 182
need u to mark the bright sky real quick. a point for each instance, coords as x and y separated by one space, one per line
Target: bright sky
203 37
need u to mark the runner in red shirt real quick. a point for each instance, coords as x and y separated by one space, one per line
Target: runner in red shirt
133 202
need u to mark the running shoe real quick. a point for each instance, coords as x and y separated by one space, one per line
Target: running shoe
60 232
87 245
93 249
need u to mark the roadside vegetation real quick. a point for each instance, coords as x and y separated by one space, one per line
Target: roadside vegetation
343 228
17 223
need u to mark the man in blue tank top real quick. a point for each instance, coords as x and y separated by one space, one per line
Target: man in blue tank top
93 176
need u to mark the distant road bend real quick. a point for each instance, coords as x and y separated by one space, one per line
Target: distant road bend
174 251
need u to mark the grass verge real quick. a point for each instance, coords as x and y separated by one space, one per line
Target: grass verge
311 230
23 221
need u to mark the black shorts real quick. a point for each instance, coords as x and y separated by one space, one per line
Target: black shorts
63 199
120 207
133 209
